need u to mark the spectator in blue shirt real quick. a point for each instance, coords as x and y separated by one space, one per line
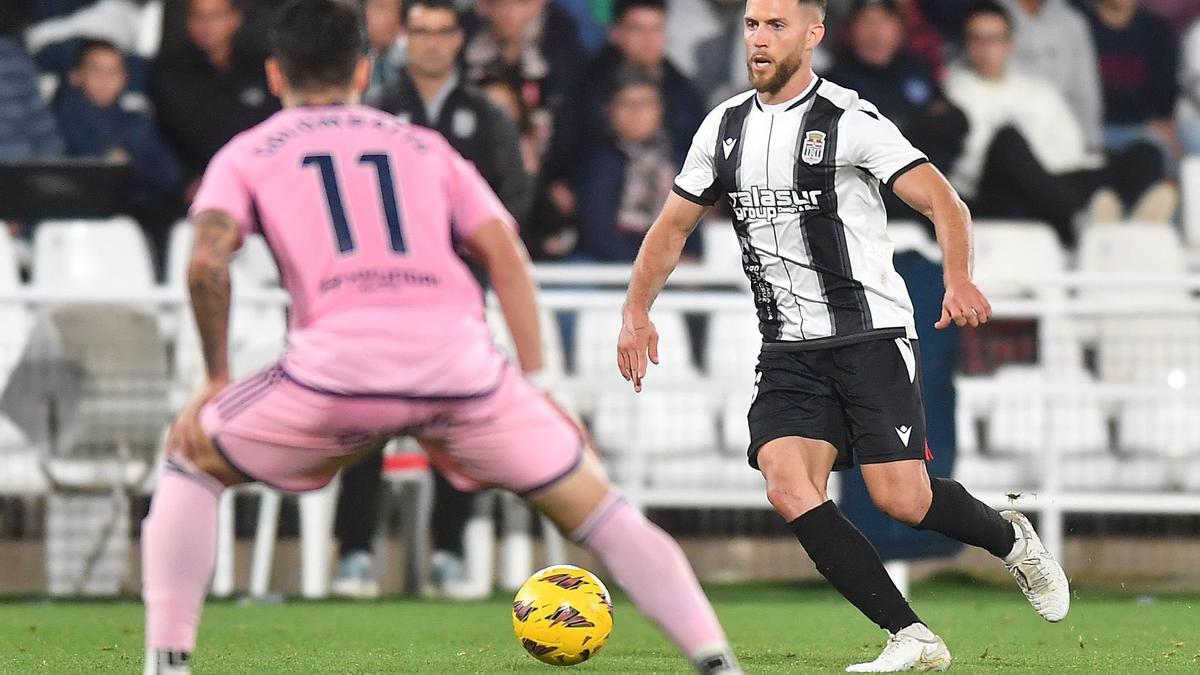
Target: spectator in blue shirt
94 123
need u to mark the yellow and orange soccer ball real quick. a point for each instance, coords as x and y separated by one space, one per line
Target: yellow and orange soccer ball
562 615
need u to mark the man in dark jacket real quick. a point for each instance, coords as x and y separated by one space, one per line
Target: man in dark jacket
208 91
430 92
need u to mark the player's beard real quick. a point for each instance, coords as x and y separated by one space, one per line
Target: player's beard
783 72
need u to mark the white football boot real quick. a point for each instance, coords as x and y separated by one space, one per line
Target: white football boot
913 648
167 663
1038 574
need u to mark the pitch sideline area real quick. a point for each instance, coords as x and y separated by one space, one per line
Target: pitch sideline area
777 629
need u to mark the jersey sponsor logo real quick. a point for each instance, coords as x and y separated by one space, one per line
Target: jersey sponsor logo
813 150
904 432
758 204
728 145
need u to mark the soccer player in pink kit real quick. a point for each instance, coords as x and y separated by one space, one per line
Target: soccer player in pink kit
387 337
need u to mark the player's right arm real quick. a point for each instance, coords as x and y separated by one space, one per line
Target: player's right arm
659 254
695 191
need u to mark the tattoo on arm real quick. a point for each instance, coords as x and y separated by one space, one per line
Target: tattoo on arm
208 283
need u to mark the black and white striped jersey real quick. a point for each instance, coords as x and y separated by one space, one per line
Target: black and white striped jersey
802 179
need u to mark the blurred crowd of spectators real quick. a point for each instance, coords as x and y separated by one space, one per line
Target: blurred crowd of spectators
579 112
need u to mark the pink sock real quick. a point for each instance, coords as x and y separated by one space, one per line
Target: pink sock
652 569
179 549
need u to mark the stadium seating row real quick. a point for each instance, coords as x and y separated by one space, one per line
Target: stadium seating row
688 430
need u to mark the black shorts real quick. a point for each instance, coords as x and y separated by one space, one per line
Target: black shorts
863 398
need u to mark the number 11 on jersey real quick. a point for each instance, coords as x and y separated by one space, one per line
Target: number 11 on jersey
337 210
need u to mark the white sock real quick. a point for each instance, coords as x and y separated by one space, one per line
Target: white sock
1018 549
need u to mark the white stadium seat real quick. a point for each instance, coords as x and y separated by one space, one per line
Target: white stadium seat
1021 258
1166 427
733 345
1133 248
1187 475
979 472
109 255
13 317
660 422
179 251
1106 472
1012 258
552 351
722 252
735 431
1133 348
704 471
253 264
909 235
596 332
1020 423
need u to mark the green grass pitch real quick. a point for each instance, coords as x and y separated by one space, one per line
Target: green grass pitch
776 629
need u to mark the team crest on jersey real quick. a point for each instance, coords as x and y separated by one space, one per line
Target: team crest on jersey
813 150
463 122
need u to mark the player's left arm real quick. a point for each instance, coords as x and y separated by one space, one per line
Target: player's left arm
925 189
496 246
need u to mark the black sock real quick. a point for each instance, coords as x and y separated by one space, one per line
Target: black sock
845 557
956 514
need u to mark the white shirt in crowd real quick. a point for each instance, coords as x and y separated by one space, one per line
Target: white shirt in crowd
1032 106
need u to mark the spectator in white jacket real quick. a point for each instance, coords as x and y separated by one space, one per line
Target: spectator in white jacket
1026 154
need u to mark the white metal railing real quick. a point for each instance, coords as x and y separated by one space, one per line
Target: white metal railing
723 293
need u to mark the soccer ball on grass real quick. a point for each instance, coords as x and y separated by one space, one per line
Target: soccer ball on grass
562 615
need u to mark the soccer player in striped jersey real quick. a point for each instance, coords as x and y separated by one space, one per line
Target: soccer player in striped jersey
800 161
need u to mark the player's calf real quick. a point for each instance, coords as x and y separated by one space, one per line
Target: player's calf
644 560
179 541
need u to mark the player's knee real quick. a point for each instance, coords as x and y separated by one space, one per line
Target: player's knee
906 506
794 499
206 459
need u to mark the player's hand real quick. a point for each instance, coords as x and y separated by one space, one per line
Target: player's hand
964 305
637 347
186 433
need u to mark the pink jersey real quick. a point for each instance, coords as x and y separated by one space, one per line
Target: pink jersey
362 212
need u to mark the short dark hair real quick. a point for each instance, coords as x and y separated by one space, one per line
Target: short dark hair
318 42
446 5
622 7
984 8
89 45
